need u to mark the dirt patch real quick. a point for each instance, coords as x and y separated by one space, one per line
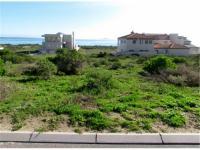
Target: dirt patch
5 124
44 123
86 102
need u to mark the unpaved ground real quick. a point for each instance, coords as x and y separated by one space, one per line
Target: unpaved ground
41 123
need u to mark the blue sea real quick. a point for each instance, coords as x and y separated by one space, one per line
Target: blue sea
86 42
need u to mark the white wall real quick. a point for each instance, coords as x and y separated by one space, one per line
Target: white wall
179 39
194 50
127 46
178 52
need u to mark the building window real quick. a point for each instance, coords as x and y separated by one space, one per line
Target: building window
146 41
143 50
140 41
150 41
134 41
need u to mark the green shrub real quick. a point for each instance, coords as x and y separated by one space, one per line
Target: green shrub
96 64
98 81
2 68
96 120
30 70
104 61
141 60
174 119
178 60
159 63
120 108
17 119
102 54
127 116
69 61
78 117
116 65
144 124
8 55
130 125
45 69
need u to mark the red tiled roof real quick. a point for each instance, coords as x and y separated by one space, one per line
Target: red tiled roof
169 46
146 36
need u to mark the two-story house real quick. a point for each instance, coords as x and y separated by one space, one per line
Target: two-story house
152 44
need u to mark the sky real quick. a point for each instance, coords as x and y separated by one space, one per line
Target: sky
97 19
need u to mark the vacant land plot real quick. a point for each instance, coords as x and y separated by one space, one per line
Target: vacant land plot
111 94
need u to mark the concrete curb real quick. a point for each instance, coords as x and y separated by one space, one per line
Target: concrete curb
101 138
187 138
15 136
128 138
64 137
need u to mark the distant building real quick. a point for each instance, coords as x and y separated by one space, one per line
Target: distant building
52 42
1 48
152 44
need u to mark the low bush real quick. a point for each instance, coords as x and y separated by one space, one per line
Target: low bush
183 75
17 120
157 64
178 60
104 61
116 65
98 81
30 70
145 124
2 68
8 55
141 60
102 54
45 69
96 64
69 61
120 108
96 120
174 119
130 125
92 119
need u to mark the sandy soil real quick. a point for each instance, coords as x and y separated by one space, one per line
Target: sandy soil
41 122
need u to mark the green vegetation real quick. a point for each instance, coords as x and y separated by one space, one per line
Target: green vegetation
93 91
45 69
2 68
174 119
69 61
156 64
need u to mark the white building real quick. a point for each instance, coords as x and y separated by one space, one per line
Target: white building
52 42
152 44
1 48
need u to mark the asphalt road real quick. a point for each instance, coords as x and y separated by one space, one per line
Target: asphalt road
67 145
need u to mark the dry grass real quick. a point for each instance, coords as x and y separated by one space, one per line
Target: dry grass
6 89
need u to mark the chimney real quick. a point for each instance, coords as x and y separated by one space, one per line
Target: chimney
73 40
